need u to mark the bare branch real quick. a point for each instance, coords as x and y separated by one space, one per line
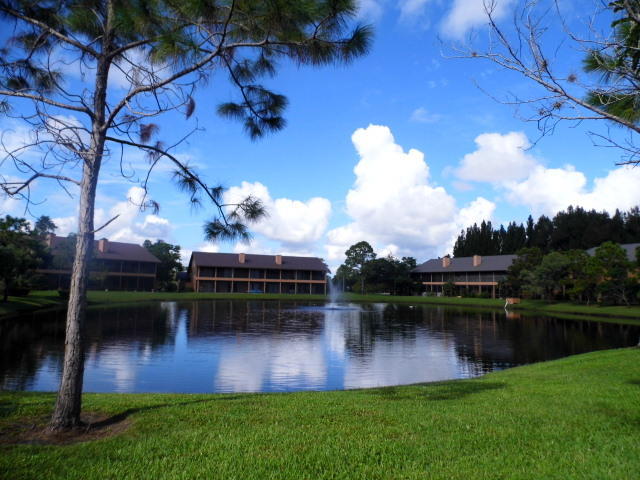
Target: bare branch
522 52
22 185
105 225
48 101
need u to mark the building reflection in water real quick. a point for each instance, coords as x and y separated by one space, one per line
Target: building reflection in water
235 346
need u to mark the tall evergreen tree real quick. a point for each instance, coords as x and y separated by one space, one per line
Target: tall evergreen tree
530 230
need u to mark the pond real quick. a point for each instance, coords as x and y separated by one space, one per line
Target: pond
272 346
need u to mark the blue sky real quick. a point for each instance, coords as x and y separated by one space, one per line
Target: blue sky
400 149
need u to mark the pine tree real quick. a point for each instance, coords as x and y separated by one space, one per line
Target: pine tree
166 50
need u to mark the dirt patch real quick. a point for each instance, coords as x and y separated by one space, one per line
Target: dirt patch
34 431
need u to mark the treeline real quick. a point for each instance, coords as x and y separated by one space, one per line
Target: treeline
608 276
573 229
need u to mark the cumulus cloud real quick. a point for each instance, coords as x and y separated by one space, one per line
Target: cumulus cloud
549 190
394 205
498 158
502 161
294 223
130 226
467 14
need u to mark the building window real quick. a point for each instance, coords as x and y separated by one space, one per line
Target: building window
207 272
254 273
304 275
240 273
288 274
273 287
273 274
147 267
241 287
225 272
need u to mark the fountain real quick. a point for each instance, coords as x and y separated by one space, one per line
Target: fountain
334 293
334 297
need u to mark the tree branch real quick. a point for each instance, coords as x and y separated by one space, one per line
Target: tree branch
49 30
48 101
35 176
105 225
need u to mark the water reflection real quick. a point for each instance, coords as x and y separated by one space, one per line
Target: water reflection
231 346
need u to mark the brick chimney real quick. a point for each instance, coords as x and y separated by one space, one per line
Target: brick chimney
241 257
103 245
477 260
278 259
446 261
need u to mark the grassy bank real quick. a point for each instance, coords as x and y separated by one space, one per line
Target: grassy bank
576 418
525 305
49 299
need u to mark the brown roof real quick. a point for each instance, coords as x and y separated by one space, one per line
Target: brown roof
489 263
227 260
115 251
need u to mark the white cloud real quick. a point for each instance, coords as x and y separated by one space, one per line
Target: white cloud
125 228
294 223
185 254
15 138
467 14
393 204
498 158
503 161
476 211
550 190
422 115
154 226
130 226
10 206
65 225
370 10
412 9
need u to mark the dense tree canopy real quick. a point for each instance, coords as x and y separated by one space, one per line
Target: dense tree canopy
607 276
170 263
363 271
21 251
575 228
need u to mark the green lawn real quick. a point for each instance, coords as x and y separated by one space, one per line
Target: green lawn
576 418
48 299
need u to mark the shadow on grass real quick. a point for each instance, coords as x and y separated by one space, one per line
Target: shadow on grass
634 382
121 417
439 391
7 408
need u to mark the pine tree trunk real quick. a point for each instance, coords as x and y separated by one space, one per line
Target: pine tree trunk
66 414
